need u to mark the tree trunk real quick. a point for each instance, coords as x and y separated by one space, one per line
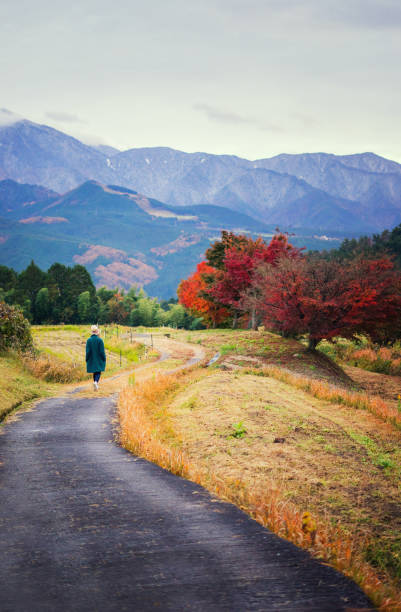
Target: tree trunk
312 344
235 320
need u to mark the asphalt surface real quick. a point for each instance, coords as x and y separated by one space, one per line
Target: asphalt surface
85 526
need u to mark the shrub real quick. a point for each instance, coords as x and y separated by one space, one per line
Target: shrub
15 331
381 361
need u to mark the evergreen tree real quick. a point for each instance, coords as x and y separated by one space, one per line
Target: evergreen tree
42 305
83 306
29 283
57 282
27 310
8 278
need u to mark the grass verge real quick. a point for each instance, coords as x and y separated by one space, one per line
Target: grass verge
17 386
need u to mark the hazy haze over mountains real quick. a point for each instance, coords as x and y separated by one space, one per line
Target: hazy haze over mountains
320 191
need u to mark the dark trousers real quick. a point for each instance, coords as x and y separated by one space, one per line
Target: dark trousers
96 376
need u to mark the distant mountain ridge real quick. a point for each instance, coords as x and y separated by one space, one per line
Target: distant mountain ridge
321 191
120 235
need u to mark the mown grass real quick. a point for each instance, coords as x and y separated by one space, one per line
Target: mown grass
266 348
297 451
337 395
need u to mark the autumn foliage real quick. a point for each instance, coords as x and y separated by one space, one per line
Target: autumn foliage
293 294
192 294
325 299
240 263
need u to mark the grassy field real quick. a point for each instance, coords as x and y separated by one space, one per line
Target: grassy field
241 348
278 451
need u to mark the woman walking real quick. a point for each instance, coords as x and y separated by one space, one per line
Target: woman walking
95 356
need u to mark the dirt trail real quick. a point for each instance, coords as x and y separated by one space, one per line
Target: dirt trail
86 526
173 355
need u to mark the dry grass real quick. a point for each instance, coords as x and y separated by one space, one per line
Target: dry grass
17 386
188 433
49 368
67 344
267 348
334 394
136 405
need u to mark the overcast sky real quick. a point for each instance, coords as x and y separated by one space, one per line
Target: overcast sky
248 77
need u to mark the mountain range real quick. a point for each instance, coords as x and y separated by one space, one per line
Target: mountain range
320 191
61 199
120 235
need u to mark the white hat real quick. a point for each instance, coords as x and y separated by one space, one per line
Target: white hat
94 329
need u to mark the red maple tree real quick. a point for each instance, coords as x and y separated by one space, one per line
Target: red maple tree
192 293
323 299
241 261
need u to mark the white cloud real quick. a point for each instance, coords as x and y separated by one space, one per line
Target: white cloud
89 139
229 117
7 117
63 117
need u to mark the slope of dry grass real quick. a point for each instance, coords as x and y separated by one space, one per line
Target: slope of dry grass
17 385
276 450
244 347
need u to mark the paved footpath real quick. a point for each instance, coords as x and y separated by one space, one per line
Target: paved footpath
85 526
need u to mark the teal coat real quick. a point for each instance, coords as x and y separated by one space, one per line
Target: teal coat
95 355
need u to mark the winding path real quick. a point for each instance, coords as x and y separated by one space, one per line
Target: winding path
85 526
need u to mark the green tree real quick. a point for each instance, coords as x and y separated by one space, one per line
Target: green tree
105 294
160 317
8 278
42 305
27 310
30 281
57 282
84 305
145 312
10 296
135 318
176 317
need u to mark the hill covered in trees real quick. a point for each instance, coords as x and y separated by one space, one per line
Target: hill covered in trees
121 236
386 243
